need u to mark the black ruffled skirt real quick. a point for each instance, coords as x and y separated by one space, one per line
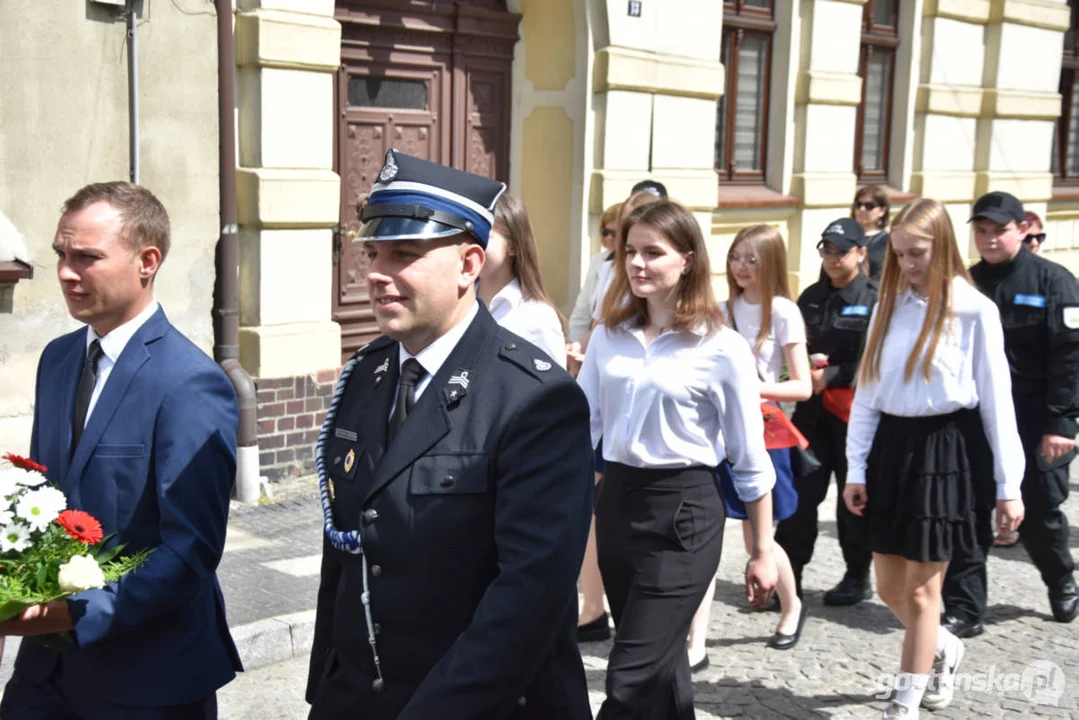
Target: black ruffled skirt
930 487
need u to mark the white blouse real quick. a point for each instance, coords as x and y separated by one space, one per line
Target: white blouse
687 399
788 328
969 369
534 320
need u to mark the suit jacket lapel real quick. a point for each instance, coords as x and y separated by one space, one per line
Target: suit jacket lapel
372 409
134 355
416 438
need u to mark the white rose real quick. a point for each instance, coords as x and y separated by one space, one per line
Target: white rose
81 573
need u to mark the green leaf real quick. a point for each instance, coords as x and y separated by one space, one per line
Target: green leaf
105 556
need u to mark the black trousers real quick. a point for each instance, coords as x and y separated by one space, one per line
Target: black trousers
25 700
659 534
1044 532
797 535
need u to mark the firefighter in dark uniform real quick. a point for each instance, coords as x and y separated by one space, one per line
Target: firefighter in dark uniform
1039 309
836 310
455 469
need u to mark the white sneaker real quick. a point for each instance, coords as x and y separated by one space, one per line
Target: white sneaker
941 688
898 711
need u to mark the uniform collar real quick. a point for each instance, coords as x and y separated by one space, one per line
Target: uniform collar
1004 269
434 355
852 290
115 341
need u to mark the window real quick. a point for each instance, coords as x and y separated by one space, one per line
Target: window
742 120
1065 160
876 67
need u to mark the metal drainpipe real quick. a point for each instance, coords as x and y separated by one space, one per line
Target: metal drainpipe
226 311
133 88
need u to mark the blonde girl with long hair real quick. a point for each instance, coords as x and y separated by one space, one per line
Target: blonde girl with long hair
760 308
932 419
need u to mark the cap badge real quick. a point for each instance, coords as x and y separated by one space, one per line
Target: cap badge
835 229
350 460
389 170
541 365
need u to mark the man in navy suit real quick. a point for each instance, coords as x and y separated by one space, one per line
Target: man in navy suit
137 427
456 475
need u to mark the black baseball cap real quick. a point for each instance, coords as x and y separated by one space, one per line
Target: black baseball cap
1000 207
845 233
651 186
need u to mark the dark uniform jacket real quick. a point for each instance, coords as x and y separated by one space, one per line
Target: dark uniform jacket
1039 309
836 322
473 524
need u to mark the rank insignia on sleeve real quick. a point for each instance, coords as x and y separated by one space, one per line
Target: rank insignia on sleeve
350 460
1071 317
541 365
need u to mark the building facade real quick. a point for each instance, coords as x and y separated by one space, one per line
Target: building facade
749 111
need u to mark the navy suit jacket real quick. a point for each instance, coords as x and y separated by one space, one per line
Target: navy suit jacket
155 465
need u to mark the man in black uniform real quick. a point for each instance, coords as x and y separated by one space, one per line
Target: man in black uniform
1039 309
836 310
455 467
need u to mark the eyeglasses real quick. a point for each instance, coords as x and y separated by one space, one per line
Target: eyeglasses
865 205
607 232
1034 238
750 260
826 252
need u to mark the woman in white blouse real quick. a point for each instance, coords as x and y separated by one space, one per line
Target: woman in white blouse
510 284
932 423
761 310
673 393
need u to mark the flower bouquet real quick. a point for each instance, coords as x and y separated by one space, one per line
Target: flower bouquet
48 552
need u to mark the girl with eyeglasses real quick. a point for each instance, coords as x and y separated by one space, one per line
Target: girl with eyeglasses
761 310
870 209
836 310
673 393
932 421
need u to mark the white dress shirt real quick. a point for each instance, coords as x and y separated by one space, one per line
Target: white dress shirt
604 278
111 346
580 320
434 356
687 399
534 320
969 369
788 328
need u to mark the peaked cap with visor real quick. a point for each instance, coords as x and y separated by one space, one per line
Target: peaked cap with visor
419 200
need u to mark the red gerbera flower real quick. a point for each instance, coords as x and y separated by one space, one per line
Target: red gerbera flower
25 463
81 526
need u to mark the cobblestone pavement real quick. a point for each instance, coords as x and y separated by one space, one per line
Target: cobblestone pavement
839 668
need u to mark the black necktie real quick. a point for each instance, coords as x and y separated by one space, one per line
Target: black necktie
411 372
86 391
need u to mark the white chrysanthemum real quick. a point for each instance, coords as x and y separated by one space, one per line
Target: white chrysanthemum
26 478
7 513
40 507
80 573
8 483
14 536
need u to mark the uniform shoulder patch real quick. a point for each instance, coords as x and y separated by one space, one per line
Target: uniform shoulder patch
1071 318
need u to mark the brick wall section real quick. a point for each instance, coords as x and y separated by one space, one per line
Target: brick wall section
290 415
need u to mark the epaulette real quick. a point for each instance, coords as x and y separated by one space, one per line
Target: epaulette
383 341
529 359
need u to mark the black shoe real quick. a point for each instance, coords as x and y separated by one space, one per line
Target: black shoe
962 628
849 591
786 642
1065 602
700 664
596 631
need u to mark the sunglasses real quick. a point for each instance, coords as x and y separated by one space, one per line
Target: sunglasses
827 252
1034 238
607 232
865 205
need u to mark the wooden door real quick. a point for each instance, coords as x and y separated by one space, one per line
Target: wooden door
428 79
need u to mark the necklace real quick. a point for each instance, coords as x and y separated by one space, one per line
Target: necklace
923 298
